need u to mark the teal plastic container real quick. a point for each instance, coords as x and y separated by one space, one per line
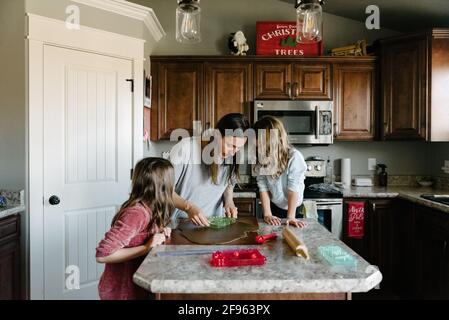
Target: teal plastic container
337 256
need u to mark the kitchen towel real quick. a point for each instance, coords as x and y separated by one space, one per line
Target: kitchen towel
346 172
310 209
356 219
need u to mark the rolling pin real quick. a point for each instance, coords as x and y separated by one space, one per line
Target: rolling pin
295 243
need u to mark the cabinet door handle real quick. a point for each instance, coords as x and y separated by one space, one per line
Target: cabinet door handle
374 207
386 127
295 90
289 89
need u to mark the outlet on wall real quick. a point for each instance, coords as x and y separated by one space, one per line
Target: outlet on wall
372 163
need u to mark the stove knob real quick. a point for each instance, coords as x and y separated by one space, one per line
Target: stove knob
318 167
309 167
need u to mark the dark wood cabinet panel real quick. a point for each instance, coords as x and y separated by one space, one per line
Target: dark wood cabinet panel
354 102
404 89
246 207
273 80
179 98
229 89
381 242
10 258
312 81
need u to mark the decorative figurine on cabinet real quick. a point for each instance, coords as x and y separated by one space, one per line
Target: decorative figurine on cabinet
237 44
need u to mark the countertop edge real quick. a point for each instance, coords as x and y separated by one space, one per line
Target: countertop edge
11 211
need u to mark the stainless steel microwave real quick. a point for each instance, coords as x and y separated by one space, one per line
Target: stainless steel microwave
306 122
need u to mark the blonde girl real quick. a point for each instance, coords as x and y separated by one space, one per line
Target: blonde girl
280 173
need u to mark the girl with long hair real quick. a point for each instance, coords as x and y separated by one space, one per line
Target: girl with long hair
280 173
139 225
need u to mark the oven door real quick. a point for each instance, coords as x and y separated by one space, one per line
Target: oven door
330 215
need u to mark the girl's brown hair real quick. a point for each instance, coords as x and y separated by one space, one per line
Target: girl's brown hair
152 186
277 158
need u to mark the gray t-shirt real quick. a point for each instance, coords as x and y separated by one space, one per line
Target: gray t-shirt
193 182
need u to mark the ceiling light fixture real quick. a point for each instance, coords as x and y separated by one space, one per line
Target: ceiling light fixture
188 19
309 21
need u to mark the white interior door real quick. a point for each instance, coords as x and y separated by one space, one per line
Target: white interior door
87 162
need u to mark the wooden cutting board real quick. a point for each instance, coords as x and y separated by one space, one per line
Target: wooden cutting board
208 236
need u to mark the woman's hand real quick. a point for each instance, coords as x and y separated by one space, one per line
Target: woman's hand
197 217
156 240
231 210
296 223
273 220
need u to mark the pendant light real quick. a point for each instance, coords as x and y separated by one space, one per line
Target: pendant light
309 21
188 18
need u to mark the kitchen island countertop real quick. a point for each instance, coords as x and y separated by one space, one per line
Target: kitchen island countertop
283 273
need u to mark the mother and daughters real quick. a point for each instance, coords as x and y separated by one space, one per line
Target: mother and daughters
186 187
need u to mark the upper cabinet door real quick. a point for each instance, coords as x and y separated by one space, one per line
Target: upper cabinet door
354 101
273 80
178 93
312 81
229 89
404 89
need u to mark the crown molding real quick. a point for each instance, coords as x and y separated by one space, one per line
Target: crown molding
130 10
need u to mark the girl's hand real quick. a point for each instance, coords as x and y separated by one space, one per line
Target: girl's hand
197 217
167 232
156 240
231 210
274 221
296 223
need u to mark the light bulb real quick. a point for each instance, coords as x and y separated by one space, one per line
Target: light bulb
309 23
188 18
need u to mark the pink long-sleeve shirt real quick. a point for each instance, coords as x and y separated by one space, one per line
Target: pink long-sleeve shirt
132 229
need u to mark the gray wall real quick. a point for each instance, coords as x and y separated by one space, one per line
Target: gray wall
12 95
438 154
219 18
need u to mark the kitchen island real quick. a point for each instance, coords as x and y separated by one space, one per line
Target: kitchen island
284 276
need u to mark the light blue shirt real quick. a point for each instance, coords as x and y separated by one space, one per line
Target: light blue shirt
292 179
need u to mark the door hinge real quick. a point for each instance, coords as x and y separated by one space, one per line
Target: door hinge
132 84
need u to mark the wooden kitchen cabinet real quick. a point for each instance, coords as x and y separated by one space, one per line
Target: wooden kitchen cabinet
377 244
178 97
10 258
229 89
246 206
432 254
414 86
287 80
354 101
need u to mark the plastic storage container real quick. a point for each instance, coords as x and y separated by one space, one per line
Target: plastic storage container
237 258
336 256
220 222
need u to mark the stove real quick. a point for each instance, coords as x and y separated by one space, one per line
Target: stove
440 198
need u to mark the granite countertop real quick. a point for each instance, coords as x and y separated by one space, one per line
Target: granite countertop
15 203
284 272
409 193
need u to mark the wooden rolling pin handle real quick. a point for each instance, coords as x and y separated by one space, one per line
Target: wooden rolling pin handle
295 243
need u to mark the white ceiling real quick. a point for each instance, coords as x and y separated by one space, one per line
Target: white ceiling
400 15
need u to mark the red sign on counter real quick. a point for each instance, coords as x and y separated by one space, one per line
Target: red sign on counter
356 219
279 39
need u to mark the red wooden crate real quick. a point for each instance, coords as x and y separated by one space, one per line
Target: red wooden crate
279 39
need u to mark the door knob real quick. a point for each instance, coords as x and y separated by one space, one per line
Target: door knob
54 200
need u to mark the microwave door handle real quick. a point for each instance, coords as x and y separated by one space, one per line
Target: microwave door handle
317 116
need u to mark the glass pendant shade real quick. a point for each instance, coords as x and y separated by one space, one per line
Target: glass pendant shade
188 21
309 23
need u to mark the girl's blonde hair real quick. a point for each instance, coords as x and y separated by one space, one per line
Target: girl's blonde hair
276 145
152 186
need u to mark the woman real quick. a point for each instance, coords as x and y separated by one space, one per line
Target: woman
280 173
206 171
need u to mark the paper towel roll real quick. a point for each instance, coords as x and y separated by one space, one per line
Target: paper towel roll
346 172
